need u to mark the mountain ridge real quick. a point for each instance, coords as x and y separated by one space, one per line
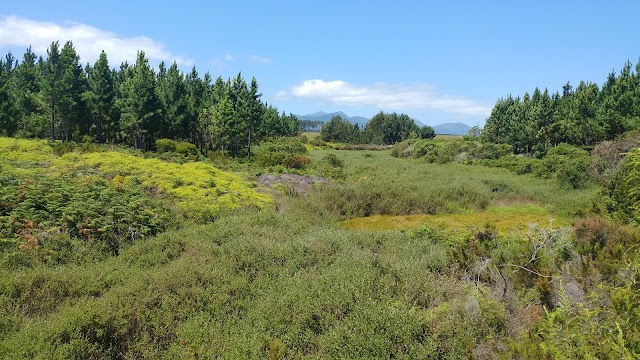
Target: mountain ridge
457 128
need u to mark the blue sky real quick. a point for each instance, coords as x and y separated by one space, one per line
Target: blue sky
443 62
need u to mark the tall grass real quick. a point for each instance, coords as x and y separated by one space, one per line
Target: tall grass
380 184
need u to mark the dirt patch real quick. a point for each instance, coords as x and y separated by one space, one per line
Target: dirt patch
299 183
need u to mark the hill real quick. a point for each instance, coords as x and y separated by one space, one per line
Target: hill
360 120
452 129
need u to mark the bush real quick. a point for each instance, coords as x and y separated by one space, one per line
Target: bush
165 145
519 164
608 156
333 161
491 151
568 164
296 161
187 149
288 152
403 148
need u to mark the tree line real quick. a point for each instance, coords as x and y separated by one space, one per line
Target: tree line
583 116
382 129
58 98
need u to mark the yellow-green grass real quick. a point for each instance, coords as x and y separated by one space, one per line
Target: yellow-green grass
199 189
505 219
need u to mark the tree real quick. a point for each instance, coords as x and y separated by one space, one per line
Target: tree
26 83
427 132
254 115
172 93
139 105
51 87
8 111
337 130
100 98
73 110
389 128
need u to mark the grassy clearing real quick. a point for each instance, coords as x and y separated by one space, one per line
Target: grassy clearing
378 184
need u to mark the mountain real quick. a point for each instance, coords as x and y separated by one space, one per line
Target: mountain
452 129
325 117
360 120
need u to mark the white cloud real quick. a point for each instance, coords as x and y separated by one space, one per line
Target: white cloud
386 97
228 57
260 59
87 40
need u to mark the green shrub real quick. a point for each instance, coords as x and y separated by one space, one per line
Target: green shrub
333 161
568 164
288 152
519 164
403 148
296 161
165 145
491 151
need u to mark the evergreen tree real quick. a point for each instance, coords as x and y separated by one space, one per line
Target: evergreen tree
101 97
52 85
173 96
140 107
26 85
8 111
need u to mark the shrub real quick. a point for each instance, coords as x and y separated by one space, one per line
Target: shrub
333 161
165 145
403 148
296 161
608 156
491 151
288 152
519 164
187 149
568 164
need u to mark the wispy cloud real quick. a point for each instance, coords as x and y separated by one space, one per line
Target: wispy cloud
224 62
386 96
260 59
88 41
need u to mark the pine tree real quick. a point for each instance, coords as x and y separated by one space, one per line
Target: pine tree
8 120
51 86
73 110
101 99
139 105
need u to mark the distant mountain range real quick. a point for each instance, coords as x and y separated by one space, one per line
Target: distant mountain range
452 129
325 117
443 129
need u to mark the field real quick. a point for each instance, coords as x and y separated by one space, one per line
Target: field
394 258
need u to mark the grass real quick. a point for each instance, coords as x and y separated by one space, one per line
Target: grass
378 184
505 219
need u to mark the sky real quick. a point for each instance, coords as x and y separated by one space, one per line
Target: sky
435 61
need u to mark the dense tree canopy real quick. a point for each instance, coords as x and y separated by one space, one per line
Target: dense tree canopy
582 116
57 98
383 128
